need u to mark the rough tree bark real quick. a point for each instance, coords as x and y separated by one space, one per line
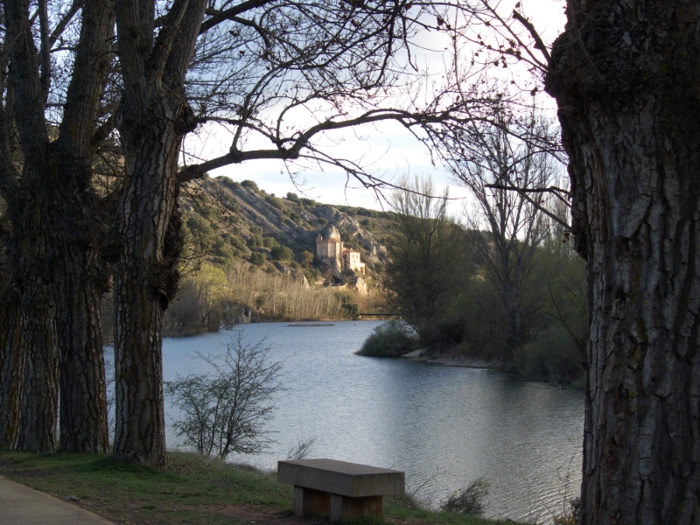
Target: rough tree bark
626 78
40 382
53 212
153 119
29 249
80 275
11 356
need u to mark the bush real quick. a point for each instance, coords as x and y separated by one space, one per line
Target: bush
307 258
275 202
255 241
269 242
390 339
250 184
469 500
228 182
225 411
572 516
302 449
258 258
282 253
553 356
312 275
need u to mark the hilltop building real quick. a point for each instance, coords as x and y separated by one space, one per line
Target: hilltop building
332 248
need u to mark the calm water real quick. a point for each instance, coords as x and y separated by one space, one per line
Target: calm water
444 426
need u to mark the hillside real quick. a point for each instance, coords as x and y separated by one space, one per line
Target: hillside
224 220
250 256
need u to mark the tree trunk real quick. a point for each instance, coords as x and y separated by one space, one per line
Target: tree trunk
153 118
40 381
145 282
78 284
11 366
76 222
625 76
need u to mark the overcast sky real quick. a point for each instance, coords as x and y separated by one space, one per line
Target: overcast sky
388 148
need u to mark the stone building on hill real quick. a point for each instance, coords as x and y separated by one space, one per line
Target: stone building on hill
332 248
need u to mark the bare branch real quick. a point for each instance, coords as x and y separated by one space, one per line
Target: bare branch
63 23
539 44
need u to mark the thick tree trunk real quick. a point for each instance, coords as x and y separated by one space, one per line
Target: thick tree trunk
153 119
40 381
78 288
625 76
76 221
145 282
59 274
11 366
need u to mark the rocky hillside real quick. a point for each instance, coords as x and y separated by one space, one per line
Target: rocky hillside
224 221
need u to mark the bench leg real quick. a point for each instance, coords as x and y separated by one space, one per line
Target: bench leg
346 508
310 500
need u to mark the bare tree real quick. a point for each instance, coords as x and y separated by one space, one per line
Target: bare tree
427 261
45 179
624 78
226 410
281 71
488 163
287 73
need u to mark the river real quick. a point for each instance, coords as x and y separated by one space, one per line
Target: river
444 426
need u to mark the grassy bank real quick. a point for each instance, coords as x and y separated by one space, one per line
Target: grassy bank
192 490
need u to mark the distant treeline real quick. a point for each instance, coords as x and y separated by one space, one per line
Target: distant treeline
514 294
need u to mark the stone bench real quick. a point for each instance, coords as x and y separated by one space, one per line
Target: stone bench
343 490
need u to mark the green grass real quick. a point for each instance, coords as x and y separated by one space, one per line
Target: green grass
192 490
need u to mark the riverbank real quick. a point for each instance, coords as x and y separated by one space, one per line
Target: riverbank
193 489
451 360
462 361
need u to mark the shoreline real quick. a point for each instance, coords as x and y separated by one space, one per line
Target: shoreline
455 361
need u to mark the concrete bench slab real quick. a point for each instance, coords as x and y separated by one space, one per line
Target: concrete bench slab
343 490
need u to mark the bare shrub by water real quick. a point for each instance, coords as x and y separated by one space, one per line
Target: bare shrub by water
226 410
468 500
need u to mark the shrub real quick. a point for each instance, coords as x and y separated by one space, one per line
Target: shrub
282 253
572 516
228 182
237 243
390 339
255 241
553 356
225 411
275 202
312 274
307 258
250 184
258 258
302 449
469 500
292 197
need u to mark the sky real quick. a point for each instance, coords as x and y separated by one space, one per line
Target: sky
388 149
